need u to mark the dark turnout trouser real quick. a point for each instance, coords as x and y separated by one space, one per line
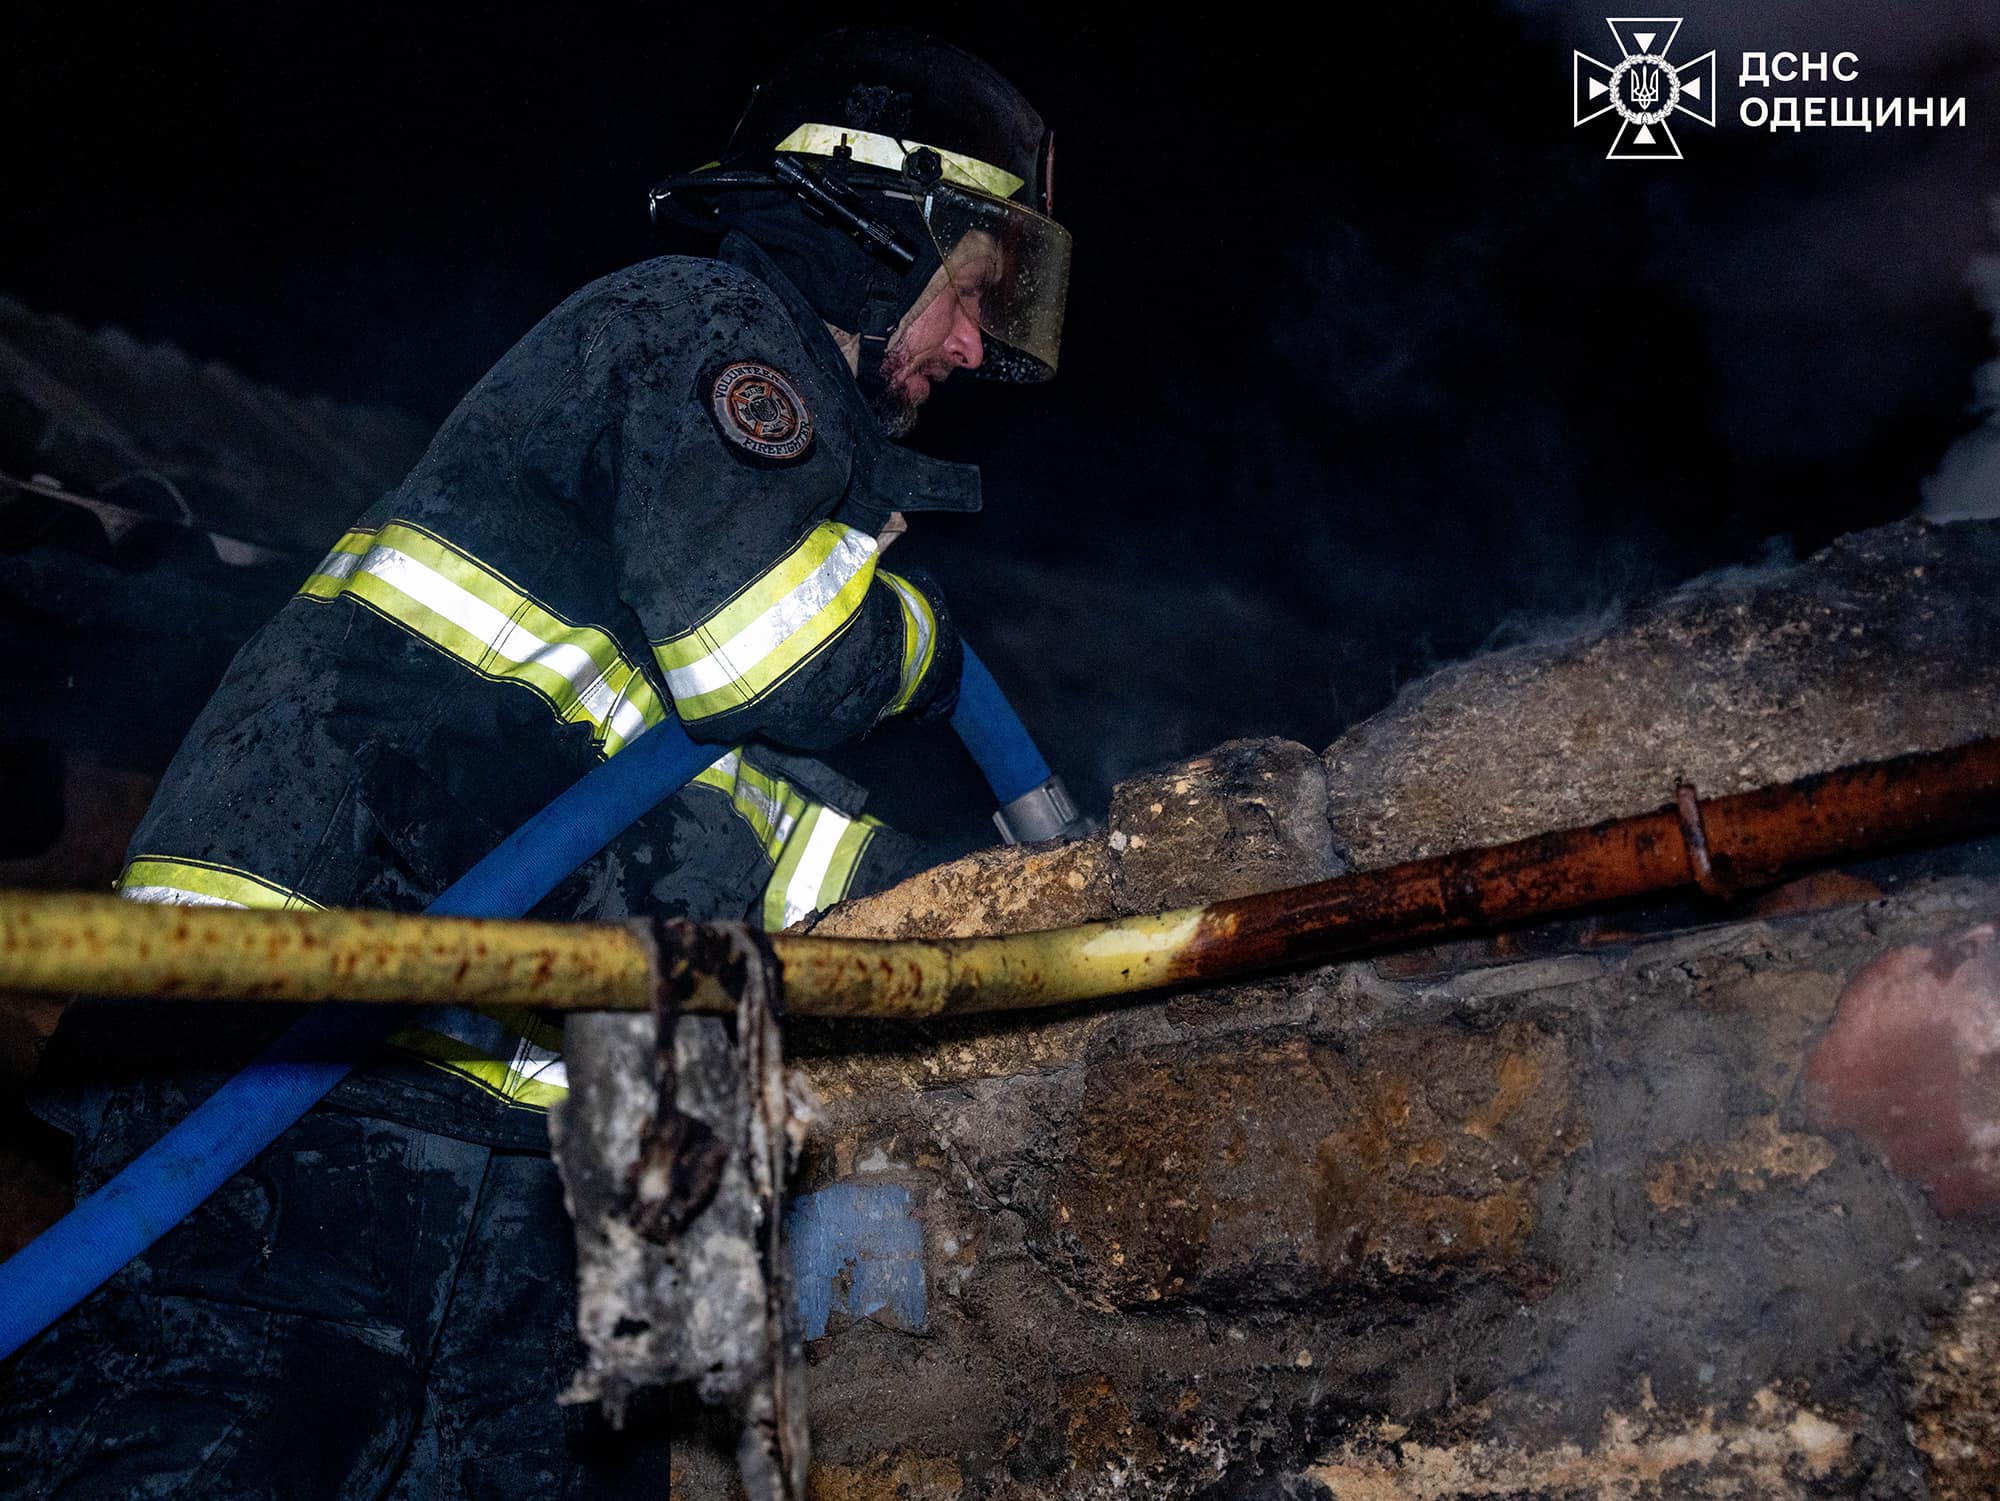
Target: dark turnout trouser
369 1310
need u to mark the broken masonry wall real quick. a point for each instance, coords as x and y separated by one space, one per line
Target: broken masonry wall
1491 1223
1551 1215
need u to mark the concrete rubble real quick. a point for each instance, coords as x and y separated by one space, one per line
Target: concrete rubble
1551 1215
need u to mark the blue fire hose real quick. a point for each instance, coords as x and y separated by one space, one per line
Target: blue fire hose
995 736
164 1184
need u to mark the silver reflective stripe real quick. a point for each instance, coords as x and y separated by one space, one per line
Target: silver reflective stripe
918 616
173 896
338 564
494 1039
508 639
776 817
802 892
734 658
541 1065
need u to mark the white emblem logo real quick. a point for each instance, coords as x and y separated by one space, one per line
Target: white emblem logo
1644 88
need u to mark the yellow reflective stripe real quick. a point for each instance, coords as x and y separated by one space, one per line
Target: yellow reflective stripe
478 1067
919 638
770 805
771 625
458 604
817 865
719 776
886 151
202 883
846 859
509 1051
532 1074
814 849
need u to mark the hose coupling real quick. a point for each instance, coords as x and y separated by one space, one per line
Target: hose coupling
1042 812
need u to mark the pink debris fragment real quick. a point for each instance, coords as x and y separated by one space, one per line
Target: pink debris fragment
1911 1064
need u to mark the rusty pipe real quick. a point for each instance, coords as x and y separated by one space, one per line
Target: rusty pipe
103 945
1720 844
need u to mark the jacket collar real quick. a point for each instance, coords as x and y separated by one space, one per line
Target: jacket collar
887 476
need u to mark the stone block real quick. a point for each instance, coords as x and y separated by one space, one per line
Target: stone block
1006 889
1246 817
1912 1065
1284 1168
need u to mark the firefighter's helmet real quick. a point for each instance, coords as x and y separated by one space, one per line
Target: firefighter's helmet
878 127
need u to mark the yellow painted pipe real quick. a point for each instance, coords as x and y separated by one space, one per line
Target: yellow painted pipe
103 945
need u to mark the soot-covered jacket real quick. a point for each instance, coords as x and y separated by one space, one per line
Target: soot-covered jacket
663 501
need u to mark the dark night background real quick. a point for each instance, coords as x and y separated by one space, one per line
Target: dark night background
1371 358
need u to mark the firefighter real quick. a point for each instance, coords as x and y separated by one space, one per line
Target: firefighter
670 499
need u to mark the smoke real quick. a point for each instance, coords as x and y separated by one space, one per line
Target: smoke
1578 382
1967 483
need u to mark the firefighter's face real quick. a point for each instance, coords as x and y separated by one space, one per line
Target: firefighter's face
940 333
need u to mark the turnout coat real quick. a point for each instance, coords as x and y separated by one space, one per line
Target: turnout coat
664 501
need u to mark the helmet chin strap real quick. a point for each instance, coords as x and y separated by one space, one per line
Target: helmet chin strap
881 311
889 294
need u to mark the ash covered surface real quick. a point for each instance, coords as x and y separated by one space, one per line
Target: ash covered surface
150 426
1886 642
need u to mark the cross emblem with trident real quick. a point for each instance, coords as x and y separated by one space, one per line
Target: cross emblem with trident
1644 88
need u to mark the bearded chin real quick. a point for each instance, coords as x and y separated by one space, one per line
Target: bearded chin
894 412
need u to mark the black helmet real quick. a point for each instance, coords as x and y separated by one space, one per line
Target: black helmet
886 133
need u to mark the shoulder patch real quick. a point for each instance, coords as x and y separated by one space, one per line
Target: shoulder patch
760 410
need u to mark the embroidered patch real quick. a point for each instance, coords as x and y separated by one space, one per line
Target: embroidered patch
760 410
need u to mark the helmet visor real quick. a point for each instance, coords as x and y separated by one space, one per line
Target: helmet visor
1010 268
